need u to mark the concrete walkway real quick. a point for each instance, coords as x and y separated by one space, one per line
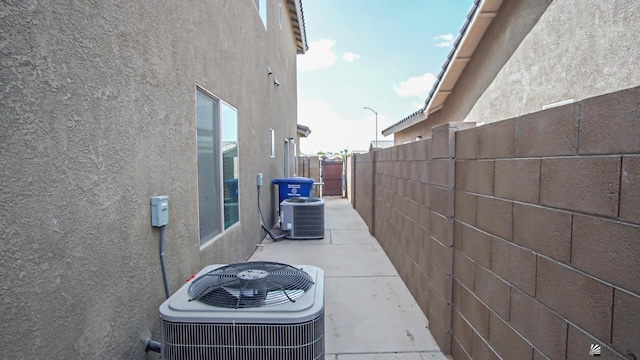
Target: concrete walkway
369 313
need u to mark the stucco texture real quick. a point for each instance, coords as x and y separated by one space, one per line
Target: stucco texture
98 115
576 50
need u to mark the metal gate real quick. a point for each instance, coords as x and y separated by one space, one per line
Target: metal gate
332 178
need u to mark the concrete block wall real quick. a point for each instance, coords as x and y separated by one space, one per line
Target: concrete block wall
362 180
521 238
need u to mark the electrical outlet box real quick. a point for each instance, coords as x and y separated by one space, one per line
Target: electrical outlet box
159 211
259 179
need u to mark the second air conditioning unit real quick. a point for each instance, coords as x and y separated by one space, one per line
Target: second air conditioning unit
302 217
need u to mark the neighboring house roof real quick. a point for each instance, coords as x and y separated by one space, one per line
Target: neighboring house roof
303 130
229 146
478 20
296 15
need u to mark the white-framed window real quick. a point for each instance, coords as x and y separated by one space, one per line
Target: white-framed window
261 5
273 142
280 14
217 148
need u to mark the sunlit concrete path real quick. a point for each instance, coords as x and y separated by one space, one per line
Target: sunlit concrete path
369 312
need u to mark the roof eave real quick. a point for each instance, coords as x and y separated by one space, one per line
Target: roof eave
413 119
470 35
296 15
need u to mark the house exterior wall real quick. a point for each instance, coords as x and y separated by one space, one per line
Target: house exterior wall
540 52
98 115
576 50
518 239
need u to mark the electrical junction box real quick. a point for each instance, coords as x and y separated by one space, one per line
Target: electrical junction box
159 211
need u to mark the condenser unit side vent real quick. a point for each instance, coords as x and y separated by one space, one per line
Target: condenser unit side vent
303 218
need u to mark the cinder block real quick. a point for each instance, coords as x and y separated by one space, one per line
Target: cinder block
467 144
442 172
457 352
492 291
426 190
457 234
413 210
423 260
518 179
497 140
420 150
506 341
456 294
515 265
581 299
538 324
440 311
442 200
424 216
552 132
585 184
424 169
610 123
443 142
441 256
630 189
461 331
482 350
475 176
463 269
477 245
441 283
476 313
608 250
441 335
543 230
626 322
429 146
579 343
537 355
495 216
465 207
442 228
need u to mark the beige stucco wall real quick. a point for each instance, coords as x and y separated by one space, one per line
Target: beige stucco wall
540 52
97 117
576 50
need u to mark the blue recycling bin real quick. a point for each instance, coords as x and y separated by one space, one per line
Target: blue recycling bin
293 187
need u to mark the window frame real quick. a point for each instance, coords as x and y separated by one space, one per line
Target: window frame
261 6
219 185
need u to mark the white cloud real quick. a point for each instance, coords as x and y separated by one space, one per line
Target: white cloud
332 132
417 105
350 57
445 40
319 56
418 86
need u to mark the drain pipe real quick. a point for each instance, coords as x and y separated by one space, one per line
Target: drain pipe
274 237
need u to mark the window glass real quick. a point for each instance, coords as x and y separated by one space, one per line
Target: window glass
261 5
217 144
229 118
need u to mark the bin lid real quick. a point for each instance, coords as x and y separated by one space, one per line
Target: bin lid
293 180
302 200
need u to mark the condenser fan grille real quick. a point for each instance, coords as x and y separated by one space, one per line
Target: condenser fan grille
250 284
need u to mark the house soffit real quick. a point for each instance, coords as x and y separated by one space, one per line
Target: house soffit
479 18
296 16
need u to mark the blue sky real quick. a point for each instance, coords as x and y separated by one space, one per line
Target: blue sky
383 54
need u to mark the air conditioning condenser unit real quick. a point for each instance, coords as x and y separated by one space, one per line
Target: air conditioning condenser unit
302 217
252 310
